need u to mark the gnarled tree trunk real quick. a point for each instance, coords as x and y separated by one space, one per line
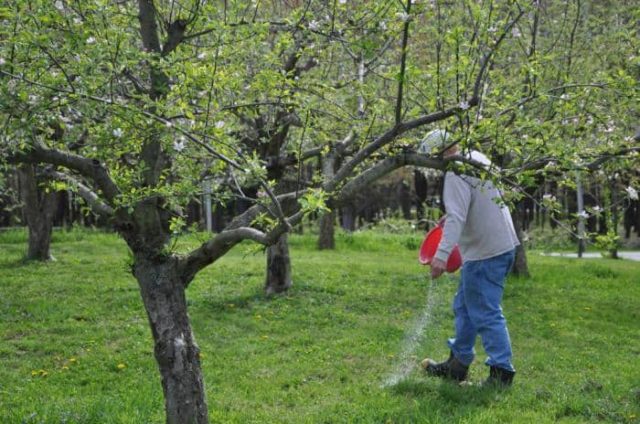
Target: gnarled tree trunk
39 208
176 352
278 277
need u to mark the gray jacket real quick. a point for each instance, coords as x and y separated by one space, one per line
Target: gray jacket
476 220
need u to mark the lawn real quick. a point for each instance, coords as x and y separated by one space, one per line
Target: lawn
76 348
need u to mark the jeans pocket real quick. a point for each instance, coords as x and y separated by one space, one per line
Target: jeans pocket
495 269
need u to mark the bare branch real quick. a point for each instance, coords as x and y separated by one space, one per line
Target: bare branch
487 58
92 199
221 243
403 63
385 167
384 139
89 168
148 26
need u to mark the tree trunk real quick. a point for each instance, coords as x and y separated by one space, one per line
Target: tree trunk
581 226
326 240
178 357
278 279
348 218
39 208
615 218
520 266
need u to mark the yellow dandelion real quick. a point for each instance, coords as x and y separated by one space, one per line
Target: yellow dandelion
73 360
64 367
264 337
121 366
39 373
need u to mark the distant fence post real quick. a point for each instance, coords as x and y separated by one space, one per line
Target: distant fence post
207 204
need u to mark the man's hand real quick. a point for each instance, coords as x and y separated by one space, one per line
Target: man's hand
438 268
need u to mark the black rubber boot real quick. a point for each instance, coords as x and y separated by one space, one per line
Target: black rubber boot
499 377
451 369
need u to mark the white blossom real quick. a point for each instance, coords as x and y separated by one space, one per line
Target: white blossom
565 96
179 145
11 86
515 32
202 55
168 124
117 133
403 16
492 29
91 40
382 25
548 197
632 193
220 124
464 105
583 214
342 1
2 61
314 25
597 209
59 5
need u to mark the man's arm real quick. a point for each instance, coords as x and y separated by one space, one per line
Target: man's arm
457 198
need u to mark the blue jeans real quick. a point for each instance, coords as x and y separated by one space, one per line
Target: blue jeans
477 311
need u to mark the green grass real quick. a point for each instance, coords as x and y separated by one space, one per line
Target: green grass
319 354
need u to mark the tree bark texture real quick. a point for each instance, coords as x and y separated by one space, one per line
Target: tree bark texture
326 240
39 209
176 352
278 278
520 266
348 218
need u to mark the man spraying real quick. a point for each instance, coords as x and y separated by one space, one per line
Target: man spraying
482 227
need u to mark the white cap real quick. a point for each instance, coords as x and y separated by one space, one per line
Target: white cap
434 139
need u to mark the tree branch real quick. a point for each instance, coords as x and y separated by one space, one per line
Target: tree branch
148 26
385 167
384 139
89 168
92 199
220 244
403 63
486 59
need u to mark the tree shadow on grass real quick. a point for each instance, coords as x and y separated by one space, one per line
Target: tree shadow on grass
22 262
214 303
